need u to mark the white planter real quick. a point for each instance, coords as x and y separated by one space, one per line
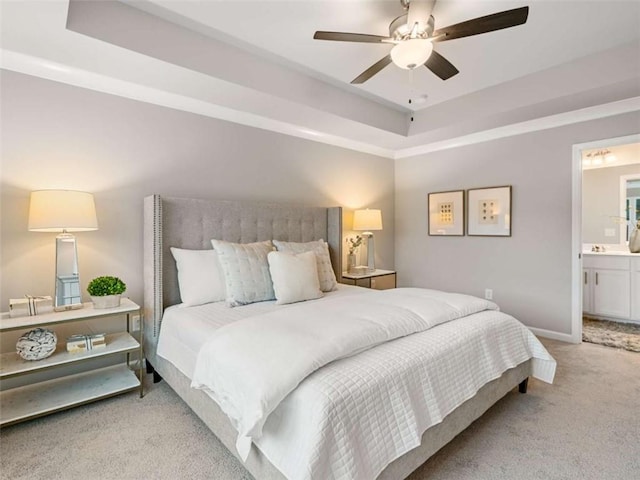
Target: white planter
634 241
106 301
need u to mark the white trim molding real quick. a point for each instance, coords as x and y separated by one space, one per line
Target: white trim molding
552 121
38 67
562 337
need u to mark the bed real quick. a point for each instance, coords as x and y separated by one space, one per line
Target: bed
192 223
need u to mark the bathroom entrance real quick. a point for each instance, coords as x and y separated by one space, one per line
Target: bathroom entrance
608 268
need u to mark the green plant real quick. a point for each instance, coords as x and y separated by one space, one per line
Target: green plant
353 244
102 286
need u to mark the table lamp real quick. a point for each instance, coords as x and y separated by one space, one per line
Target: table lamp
64 211
366 221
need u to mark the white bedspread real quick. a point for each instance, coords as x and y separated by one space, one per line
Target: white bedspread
351 418
250 366
185 329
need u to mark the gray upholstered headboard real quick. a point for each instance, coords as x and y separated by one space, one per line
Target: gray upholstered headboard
192 223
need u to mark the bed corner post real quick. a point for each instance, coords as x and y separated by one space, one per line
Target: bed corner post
334 239
152 253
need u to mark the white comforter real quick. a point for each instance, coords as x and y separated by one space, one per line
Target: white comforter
250 366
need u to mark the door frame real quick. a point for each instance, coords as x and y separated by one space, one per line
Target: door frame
576 225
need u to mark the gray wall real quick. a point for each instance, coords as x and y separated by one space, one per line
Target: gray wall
529 272
59 136
601 201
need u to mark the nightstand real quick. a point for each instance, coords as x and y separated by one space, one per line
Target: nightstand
378 279
65 391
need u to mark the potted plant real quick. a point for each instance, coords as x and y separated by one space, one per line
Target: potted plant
105 291
352 245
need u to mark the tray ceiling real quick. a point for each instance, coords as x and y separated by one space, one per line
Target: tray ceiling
255 62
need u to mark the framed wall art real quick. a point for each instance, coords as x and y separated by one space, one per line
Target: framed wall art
489 211
446 213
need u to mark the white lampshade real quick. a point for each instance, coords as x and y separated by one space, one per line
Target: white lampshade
411 53
62 210
367 220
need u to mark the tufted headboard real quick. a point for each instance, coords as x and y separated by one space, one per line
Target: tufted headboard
192 223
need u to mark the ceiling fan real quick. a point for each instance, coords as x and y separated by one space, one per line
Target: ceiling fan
413 35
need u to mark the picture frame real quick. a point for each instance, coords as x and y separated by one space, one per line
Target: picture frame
489 211
446 213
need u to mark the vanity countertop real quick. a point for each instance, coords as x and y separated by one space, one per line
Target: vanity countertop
618 253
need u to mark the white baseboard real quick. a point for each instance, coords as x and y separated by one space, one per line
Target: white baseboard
563 337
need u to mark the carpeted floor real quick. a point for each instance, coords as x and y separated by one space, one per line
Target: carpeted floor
586 426
611 334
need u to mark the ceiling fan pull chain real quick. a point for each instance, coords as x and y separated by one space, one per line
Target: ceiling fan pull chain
411 88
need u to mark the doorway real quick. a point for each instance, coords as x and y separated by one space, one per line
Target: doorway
605 230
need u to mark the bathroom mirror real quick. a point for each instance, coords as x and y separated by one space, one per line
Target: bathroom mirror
630 205
67 277
605 194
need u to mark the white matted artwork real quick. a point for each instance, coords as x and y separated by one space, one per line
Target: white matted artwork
489 211
446 213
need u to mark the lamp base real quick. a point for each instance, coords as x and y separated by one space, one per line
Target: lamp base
65 308
371 263
67 287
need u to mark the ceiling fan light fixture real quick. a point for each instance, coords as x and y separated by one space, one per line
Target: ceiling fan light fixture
411 53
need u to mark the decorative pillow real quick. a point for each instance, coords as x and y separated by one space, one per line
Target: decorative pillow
326 276
246 271
200 277
295 276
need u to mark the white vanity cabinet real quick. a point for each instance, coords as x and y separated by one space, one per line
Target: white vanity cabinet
586 290
611 292
611 285
635 288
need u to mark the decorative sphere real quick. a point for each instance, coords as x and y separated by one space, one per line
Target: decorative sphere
37 344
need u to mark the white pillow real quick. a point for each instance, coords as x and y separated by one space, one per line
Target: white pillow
200 277
295 276
326 275
246 271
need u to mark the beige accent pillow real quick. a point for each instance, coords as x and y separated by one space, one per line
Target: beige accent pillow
246 271
326 276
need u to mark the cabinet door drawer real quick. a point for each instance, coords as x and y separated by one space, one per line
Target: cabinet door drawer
635 295
609 262
612 293
384 282
586 291
363 282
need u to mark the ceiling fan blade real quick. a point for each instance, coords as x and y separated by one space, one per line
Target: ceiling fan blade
488 23
349 37
441 66
372 70
419 11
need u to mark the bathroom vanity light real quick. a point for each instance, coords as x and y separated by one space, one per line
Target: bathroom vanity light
597 158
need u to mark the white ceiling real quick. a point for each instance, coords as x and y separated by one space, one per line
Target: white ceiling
255 62
556 32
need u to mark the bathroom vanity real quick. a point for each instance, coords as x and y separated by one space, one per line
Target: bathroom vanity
611 285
